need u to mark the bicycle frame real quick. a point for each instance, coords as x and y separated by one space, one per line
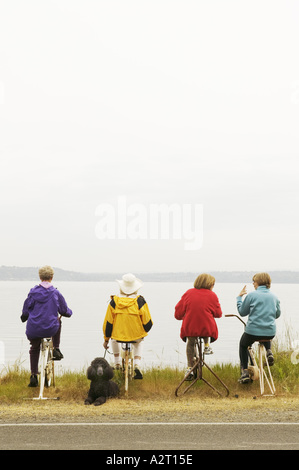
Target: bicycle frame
198 367
46 368
256 370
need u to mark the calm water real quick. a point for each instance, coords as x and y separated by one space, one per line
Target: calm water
82 336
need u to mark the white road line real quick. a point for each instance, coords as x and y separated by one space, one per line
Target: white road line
150 424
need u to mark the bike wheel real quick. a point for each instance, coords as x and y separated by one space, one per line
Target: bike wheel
42 368
49 368
126 371
197 356
130 368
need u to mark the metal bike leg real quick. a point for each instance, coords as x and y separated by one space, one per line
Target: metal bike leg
263 372
198 367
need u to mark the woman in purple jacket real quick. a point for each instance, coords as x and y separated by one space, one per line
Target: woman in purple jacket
41 309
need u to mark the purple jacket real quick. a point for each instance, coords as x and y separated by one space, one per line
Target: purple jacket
41 309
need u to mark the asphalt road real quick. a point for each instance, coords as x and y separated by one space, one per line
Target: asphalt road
150 436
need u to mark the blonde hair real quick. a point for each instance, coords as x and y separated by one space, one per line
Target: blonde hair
46 273
262 279
204 281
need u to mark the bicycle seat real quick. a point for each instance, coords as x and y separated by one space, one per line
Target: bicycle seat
125 342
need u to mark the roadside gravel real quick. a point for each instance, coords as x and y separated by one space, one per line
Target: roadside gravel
231 409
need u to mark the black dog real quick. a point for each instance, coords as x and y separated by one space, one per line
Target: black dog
100 373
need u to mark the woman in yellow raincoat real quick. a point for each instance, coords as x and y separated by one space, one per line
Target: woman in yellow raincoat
127 319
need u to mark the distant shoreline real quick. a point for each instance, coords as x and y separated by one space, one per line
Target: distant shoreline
15 273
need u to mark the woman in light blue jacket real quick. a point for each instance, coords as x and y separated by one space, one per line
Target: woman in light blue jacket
262 308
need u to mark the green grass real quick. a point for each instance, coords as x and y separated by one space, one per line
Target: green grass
157 383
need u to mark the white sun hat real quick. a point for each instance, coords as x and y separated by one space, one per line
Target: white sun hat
129 284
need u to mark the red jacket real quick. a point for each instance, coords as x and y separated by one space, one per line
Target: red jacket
198 309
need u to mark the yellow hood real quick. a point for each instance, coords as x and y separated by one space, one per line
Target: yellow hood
124 302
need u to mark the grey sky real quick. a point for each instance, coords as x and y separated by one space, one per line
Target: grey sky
161 102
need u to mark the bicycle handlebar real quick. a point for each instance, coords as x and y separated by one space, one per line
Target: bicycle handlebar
237 317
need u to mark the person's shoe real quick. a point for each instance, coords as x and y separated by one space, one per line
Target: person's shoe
33 381
270 357
208 350
245 378
57 354
138 374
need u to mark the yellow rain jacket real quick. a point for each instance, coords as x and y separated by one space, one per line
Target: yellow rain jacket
127 319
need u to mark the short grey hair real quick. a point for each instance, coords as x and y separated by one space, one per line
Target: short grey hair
46 273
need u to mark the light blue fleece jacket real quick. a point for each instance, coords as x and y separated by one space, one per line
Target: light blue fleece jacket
262 308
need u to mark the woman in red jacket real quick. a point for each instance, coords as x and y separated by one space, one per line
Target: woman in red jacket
198 309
